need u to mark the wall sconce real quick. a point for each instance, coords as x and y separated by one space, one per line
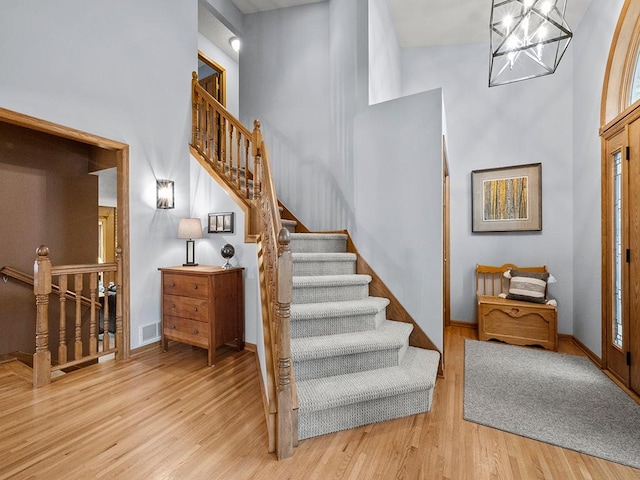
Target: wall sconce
190 228
165 197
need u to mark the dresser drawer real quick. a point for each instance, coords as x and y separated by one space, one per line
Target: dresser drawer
186 307
186 331
185 285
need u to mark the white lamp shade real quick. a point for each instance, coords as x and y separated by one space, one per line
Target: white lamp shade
190 228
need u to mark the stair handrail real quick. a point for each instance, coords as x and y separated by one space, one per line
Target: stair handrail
11 272
238 159
43 273
276 280
222 140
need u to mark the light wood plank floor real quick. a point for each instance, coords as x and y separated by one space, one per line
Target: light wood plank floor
169 416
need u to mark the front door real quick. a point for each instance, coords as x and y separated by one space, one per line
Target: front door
621 249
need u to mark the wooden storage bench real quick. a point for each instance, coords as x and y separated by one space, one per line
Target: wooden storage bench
512 321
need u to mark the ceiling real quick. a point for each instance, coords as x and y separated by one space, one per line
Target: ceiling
422 23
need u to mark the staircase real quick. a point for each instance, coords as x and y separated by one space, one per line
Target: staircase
352 365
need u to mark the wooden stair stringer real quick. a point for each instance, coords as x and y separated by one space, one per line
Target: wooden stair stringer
247 207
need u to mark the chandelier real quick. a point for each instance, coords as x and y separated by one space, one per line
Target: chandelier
528 39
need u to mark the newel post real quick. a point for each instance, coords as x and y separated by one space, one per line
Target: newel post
42 289
122 353
283 317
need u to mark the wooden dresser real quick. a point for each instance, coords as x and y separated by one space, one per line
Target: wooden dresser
203 306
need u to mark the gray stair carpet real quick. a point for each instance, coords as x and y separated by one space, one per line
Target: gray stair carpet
352 365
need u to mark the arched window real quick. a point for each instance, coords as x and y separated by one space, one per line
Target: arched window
622 78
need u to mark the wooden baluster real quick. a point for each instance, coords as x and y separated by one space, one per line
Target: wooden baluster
93 338
42 289
231 133
106 314
217 134
210 117
194 110
223 144
239 162
247 145
283 316
78 320
119 337
62 346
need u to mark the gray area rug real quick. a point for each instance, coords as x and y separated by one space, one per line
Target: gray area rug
559 399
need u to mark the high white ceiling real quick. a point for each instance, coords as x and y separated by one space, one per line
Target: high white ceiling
422 23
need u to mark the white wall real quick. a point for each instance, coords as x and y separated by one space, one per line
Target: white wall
284 82
591 44
209 197
398 202
87 65
384 54
526 122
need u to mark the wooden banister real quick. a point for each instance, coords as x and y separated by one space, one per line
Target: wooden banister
239 160
16 274
84 348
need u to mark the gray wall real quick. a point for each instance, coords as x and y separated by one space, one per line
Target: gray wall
526 122
304 72
591 45
398 185
384 54
86 65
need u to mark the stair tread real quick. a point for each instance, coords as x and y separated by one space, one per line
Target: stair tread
310 236
331 280
387 336
417 371
346 308
323 257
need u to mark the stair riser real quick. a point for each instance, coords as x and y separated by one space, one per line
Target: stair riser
311 424
304 269
348 363
321 294
318 245
334 325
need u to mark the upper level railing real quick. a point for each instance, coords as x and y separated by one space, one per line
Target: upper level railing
78 330
239 159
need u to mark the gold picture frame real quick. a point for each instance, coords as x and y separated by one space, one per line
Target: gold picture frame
507 199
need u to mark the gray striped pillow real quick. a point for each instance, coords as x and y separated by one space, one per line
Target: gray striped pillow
528 286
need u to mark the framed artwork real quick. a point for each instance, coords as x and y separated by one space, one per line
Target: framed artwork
507 199
221 222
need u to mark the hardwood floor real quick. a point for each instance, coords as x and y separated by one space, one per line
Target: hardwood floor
169 416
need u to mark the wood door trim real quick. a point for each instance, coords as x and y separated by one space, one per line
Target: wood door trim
122 164
223 74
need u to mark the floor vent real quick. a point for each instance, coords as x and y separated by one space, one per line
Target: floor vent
149 333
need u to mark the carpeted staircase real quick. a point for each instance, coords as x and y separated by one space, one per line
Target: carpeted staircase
352 365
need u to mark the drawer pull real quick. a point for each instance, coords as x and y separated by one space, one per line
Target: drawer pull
195 287
173 305
173 326
173 284
195 331
195 309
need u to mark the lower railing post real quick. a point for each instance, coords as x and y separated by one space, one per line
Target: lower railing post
283 318
42 289
121 354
